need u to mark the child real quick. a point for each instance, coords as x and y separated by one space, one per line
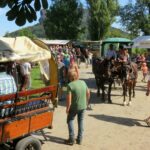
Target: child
144 69
148 86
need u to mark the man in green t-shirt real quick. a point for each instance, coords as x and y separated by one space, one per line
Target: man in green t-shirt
78 95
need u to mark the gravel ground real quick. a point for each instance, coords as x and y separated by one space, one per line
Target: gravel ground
107 126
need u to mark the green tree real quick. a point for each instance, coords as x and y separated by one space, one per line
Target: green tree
26 32
136 17
114 32
102 15
22 10
33 31
63 19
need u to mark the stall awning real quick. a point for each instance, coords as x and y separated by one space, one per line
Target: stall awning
21 48
56 42
141 42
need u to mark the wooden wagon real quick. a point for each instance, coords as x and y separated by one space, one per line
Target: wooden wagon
30 110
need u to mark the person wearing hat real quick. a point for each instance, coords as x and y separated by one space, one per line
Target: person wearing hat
144 69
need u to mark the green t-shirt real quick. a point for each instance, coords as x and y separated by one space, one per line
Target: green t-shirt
78 90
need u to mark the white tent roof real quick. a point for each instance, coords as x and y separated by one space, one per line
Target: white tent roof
21 48
55 42
141 42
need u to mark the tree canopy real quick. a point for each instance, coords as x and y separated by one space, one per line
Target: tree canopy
63 19
102 15
136 17
23 10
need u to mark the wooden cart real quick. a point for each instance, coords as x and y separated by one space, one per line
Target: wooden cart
26 116
28 112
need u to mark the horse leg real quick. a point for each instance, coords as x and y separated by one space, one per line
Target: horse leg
124 94
103 91
126 91
114 84
134 83
109 91
119 82
130 91
98 86
98 91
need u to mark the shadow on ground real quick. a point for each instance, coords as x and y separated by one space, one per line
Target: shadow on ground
48 137
119 120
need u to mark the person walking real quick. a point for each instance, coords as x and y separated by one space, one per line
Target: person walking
144 69
78 56
86 57
78 95
26 73
73 67
61 77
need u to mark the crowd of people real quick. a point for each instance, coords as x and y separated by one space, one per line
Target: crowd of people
69 60
68 54
78 94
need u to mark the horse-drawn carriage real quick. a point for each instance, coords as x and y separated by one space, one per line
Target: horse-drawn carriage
29 110
108 70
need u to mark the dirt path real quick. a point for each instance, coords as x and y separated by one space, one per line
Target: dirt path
107 126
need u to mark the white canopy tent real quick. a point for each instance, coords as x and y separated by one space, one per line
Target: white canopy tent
24 49
56 42
21 48
141 42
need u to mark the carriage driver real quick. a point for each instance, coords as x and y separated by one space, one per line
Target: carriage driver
111 53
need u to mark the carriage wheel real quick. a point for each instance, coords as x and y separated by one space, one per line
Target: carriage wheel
28 143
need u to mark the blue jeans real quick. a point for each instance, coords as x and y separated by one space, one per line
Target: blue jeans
70 119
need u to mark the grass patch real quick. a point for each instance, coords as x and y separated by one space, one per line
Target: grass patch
36 78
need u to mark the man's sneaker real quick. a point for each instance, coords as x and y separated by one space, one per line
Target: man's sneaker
69 142
78 141
147 93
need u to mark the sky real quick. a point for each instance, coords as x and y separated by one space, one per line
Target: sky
10 26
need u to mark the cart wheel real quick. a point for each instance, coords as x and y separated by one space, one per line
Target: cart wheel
28 143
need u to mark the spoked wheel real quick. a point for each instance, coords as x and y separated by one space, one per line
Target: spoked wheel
28 143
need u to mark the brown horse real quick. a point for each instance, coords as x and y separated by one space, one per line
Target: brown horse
128 74
102 76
